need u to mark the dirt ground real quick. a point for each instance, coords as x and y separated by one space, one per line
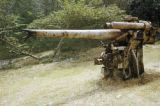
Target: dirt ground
72 83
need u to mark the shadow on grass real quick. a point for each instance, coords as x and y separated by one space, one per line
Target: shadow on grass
113 85
116 83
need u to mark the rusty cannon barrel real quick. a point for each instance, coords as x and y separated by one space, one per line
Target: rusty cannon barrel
101 34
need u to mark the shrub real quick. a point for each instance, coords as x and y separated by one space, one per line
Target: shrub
79 16
76 16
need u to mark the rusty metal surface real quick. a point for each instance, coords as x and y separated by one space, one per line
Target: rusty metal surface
125 51
102 34
128 25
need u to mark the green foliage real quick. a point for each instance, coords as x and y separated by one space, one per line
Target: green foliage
75 16
52 14
79 16
146 10
64 14
47 6
9 32
7 21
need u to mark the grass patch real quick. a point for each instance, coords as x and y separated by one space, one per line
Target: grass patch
60 72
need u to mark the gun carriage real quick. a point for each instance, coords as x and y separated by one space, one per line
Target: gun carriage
124 47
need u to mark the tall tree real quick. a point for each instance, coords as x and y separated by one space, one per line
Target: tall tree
123 4
146 9
47 6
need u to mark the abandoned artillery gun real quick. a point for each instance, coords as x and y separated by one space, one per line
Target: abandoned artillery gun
124 50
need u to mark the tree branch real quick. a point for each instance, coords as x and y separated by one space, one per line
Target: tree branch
19 50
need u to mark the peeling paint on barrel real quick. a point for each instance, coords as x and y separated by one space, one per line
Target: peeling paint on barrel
101 34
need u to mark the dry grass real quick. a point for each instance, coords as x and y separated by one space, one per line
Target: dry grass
77 83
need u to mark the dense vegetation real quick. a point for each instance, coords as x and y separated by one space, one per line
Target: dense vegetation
147 10
67 14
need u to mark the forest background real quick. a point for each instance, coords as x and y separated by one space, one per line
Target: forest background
16 15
